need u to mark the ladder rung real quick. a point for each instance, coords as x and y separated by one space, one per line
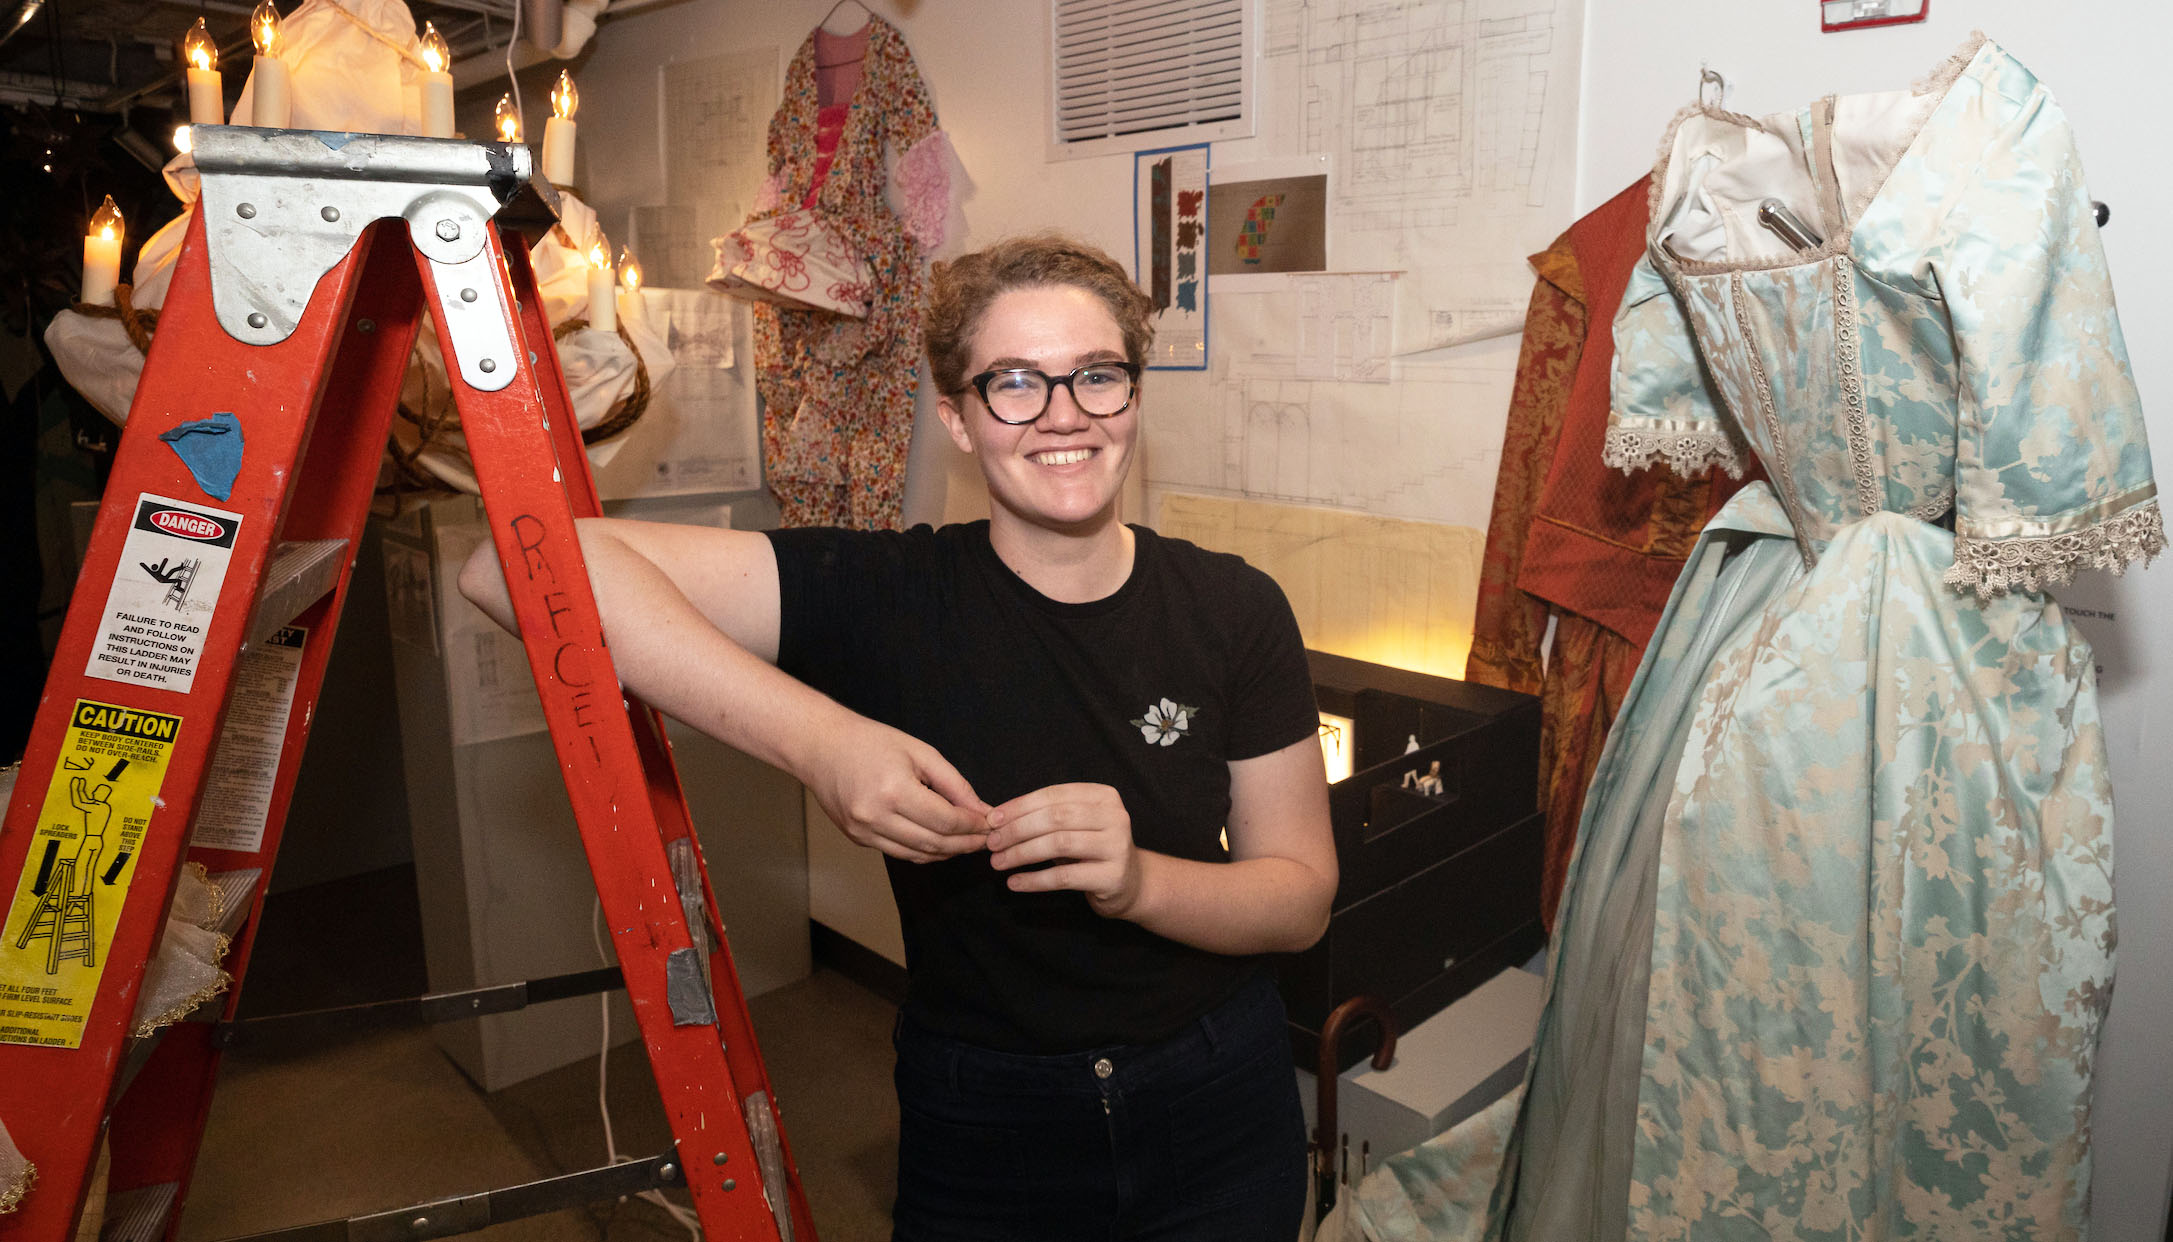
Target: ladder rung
237 889
443 1218
300 574
411 1010
138 1215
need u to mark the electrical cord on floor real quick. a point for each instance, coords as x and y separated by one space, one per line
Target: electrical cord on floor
687 1220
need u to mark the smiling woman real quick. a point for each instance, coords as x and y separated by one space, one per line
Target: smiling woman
1045 722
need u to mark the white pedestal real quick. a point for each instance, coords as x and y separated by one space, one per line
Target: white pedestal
1446 1069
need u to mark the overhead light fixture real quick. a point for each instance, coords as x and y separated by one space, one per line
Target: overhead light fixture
24 11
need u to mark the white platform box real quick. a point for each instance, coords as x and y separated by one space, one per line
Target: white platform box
1446 1069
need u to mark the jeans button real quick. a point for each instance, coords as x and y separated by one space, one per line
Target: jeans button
1102 1067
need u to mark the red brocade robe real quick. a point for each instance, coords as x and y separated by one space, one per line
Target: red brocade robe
1594 548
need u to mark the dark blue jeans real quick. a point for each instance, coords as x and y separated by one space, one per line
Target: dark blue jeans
1199 1136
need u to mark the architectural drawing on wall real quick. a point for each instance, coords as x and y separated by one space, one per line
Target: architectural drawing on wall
1293 410
1425 448
1363 586
715 126
1448 129
1346 326
700 434
1451 126
1331 326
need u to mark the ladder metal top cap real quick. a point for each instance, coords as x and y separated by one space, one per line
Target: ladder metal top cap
250 151
284 206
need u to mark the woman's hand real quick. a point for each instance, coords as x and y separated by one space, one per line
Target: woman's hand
892 792
1084 829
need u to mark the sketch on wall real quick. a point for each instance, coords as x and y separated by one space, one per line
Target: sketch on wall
716 116
1452 129
1170 243
1448 129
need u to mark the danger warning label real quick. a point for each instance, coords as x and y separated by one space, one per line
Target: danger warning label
164 593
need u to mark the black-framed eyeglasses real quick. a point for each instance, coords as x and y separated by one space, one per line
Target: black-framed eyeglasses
1019 395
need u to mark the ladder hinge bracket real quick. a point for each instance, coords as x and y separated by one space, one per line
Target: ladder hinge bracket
283 207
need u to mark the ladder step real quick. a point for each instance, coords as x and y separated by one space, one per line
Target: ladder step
301 573
419 1010
443 1218
139 1215
236 890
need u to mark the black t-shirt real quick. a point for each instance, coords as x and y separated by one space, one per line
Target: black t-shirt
1195 661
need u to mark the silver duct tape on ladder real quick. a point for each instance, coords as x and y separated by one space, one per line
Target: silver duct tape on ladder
687 878
770 1157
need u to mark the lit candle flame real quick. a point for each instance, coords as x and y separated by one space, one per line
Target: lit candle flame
565 100
509 121
197 47
107 223
629 271
184 139
264 28
600 252
434 52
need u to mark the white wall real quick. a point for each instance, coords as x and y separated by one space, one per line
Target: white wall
984 65
2105 63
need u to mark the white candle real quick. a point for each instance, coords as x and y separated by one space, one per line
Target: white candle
268 104
269 108
558 131
102 255
207 105
436 83
603 309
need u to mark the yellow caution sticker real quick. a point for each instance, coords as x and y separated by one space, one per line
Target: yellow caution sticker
67 902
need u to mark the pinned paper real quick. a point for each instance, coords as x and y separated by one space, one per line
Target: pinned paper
211 449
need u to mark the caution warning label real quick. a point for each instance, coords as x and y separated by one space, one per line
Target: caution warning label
164 593
64 907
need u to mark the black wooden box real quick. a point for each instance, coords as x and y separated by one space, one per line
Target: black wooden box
1439 890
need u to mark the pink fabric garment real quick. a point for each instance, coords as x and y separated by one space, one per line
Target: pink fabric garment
829 127
924 182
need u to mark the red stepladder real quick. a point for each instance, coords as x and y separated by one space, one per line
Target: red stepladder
225 540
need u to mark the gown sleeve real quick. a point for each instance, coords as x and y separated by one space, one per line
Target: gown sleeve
2052 470
1663 405
923 154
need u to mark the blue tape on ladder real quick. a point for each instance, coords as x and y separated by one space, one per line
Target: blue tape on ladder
211 449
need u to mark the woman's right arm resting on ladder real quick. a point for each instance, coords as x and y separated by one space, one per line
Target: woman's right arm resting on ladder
691 617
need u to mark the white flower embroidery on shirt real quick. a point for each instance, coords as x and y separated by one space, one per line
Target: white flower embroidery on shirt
1165 722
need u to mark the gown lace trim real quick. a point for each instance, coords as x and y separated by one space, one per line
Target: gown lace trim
1870 498
1687 453
1990 567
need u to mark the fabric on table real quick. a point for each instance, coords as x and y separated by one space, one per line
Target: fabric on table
17 1175
1437 1191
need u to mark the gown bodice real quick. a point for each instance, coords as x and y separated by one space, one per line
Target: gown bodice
1947 349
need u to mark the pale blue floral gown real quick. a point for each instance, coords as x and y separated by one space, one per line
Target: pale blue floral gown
1838 938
